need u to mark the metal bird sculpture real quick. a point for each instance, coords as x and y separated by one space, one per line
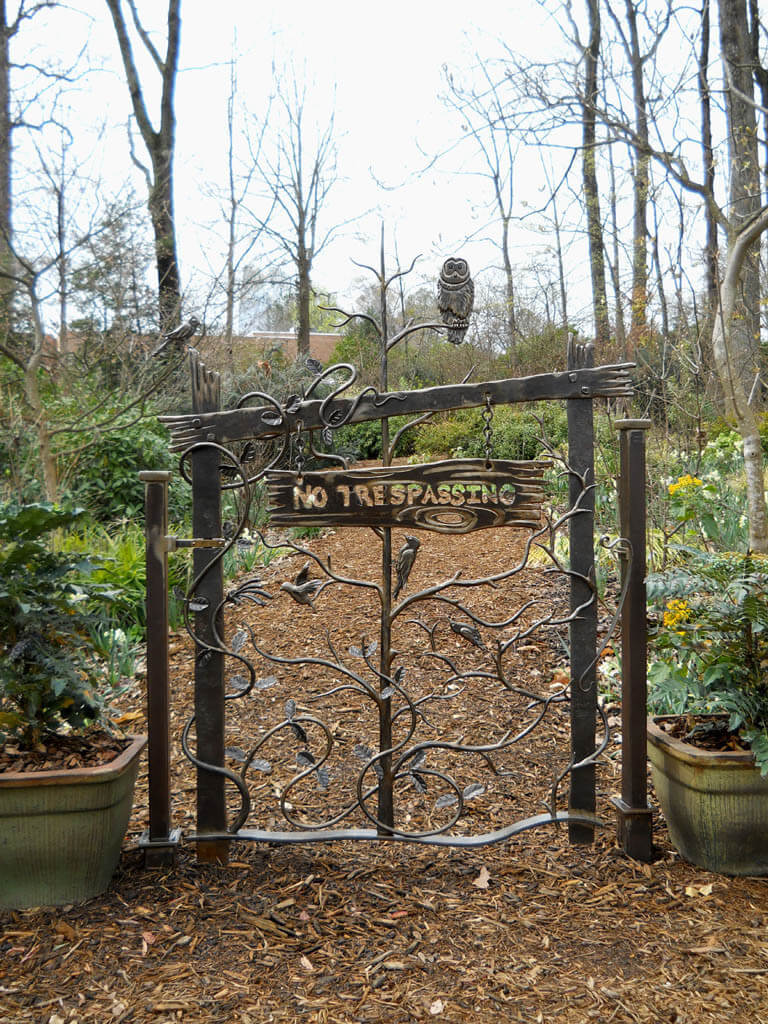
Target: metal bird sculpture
304 590
455 298
467 632
406 556
177 336
314 365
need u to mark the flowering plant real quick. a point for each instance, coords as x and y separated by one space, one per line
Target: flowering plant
712 643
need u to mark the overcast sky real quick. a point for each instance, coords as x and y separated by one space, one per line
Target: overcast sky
379 65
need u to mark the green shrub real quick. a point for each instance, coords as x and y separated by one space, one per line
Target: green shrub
50 606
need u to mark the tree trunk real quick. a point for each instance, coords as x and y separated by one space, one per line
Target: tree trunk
739 248
160 147
303 291
6 154
638 328
589 175
708 158
744 193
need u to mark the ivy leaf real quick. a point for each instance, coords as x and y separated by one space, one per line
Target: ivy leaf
419 781
447 800
238 641
299 732
265 683
473 790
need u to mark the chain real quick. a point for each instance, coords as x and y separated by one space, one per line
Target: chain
488 428
299 450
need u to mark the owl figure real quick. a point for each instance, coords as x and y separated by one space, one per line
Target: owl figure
455 296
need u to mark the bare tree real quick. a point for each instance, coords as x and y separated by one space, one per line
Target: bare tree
483 111
298 173
160 145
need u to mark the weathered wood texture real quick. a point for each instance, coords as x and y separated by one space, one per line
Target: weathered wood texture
454 496
266 421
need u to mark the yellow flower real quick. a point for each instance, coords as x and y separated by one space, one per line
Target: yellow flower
685 483
676 611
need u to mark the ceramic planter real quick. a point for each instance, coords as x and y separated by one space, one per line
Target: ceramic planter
61 831
715 803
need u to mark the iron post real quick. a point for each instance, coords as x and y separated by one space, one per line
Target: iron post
159 841
634 820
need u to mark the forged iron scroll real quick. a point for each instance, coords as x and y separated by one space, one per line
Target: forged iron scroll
456 650
453 496
612 381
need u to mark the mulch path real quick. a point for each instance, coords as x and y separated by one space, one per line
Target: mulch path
533 929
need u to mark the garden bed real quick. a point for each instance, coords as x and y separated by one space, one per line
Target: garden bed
531 930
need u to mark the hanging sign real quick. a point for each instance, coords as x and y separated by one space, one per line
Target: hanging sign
454 496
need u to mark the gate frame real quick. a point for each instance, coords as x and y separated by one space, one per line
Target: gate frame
634 817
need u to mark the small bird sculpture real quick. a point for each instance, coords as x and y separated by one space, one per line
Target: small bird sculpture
468 632
177 336
314 365
455 298
406 556
304 590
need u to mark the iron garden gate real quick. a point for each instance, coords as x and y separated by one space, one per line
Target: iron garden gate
412 774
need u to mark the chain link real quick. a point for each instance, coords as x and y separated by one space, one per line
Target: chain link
488 428
299 450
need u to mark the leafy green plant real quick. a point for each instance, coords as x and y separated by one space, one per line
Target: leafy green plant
49 674
712 643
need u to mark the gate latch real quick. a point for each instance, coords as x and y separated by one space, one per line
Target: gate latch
173 543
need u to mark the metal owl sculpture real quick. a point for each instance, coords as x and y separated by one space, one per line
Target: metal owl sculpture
455 297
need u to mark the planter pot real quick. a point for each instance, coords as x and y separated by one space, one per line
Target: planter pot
61 831
715 803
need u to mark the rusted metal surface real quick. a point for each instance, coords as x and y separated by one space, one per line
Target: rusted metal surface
634 820
583 628
206 595
465 650
452 496
275 419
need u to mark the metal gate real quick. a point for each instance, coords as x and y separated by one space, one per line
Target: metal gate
406 770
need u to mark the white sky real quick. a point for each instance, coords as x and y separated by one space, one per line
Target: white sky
384 63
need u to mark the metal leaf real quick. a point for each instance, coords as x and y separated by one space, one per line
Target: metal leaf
379 770
419 781
235 754
290 709
418 760
387 692
363 752
327 436
473 790
447 800
265 683
371 649
299 733
305 758
261 765
238 684
238 640
355 652
292 403
198 604
323 779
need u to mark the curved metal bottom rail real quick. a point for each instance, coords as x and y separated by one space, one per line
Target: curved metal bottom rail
461 842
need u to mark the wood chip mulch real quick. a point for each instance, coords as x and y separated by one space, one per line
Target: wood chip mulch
532 930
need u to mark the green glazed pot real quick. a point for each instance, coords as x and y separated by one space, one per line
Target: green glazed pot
715 803
61 831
